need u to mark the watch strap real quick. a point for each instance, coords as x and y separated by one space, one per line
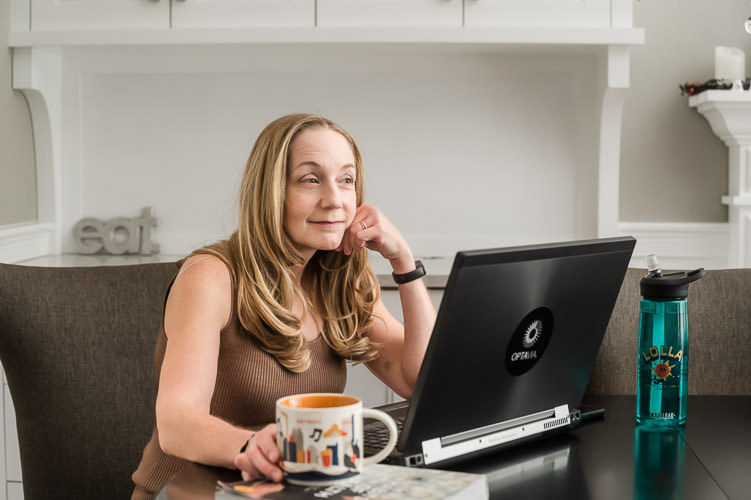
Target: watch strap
417 273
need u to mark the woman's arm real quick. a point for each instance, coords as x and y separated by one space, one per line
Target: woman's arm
403 346
198 307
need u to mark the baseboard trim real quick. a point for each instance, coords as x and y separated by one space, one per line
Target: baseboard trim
26 241
680 245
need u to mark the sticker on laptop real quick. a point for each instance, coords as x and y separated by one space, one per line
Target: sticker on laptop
529 341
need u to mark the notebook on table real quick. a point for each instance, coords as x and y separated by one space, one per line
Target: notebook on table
514 343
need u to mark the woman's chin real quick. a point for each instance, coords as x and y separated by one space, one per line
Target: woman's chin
329 244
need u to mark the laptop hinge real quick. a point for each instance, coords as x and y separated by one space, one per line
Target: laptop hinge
439 449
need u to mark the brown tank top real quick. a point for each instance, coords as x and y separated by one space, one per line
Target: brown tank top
248 383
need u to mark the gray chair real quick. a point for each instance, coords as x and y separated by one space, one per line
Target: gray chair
77 347
719 310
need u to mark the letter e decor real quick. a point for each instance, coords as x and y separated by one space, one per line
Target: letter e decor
91 235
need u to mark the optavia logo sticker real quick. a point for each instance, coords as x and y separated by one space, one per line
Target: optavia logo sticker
529 341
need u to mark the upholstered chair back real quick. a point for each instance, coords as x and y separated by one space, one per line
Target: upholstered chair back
77 348
719 311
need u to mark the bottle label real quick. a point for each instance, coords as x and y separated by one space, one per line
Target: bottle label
665 363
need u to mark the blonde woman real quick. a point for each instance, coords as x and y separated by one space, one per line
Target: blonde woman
278 307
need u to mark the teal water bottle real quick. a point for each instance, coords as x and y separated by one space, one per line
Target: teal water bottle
662 364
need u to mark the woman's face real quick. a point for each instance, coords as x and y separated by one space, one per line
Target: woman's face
320 199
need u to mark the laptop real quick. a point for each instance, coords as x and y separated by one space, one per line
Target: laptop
514 343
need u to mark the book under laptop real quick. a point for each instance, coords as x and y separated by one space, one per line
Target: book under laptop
514 343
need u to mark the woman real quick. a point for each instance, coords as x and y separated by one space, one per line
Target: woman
278 307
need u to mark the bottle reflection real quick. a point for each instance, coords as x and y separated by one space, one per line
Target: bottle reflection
658 462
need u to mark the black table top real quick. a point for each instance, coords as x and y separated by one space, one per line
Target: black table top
606 458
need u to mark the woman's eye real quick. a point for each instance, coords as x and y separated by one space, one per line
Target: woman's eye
309 180
348 180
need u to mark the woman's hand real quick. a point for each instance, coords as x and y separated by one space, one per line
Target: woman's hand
261 456
371 229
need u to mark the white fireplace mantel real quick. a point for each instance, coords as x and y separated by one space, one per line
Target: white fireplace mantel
55 68
729 114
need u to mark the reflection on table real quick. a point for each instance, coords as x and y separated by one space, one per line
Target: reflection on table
607 458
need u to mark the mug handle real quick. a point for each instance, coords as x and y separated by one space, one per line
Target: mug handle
388 422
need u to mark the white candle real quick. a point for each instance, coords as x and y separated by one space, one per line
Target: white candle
729 63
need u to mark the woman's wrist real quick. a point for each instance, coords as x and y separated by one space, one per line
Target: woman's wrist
247 443
403 264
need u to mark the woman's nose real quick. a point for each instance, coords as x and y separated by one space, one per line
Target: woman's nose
331 197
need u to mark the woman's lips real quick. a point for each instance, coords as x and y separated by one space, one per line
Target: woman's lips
327 223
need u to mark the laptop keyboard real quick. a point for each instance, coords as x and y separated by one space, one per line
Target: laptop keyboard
376 434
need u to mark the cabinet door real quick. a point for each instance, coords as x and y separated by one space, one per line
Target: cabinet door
241 14
99 14
389 13
538 13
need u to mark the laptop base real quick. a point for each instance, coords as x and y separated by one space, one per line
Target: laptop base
445 448
487 439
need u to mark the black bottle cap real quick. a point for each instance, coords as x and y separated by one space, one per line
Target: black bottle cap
668 286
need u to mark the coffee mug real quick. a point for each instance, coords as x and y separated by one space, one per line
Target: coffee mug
320 437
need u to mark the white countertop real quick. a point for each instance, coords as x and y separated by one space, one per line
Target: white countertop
437 267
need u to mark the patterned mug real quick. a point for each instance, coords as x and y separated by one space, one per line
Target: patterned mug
320 437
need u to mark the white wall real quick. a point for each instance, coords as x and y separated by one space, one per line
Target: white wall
673 168
461 149
17 170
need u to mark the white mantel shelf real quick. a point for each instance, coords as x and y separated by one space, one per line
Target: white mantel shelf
708 96
393 35
729 114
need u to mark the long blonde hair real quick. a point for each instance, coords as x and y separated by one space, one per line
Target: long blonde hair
260 256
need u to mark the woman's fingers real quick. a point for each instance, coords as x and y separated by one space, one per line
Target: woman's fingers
261 456
262 464
365 228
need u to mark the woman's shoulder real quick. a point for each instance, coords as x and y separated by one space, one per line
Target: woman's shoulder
202 290
205 265
204 271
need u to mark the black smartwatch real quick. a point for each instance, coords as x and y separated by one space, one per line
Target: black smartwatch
418 273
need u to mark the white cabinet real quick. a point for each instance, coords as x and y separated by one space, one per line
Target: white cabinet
389 13
538 13
99 14
360 381
243 14
163 14
445 13
11 467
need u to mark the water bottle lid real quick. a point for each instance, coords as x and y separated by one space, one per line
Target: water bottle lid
668 286
652 265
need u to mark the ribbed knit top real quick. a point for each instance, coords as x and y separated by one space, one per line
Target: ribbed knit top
248 383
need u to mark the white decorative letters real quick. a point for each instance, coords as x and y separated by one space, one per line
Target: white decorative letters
118 236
